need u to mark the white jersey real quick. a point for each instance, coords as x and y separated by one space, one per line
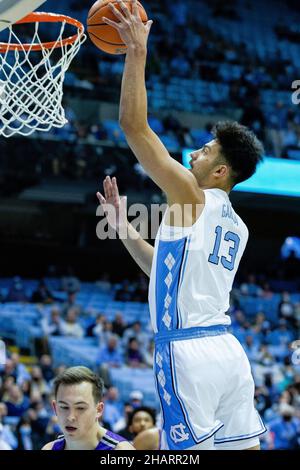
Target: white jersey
194 267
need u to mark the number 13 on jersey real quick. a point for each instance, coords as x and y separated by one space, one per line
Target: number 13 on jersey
233 242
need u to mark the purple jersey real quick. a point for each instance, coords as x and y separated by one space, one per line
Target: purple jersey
108 442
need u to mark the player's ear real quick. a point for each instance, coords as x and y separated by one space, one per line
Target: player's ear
221 171
54 406
100 407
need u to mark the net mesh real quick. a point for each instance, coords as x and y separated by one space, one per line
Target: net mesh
31 83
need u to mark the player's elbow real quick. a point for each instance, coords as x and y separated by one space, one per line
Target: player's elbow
132 126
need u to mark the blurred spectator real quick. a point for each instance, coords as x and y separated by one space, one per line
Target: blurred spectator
24 434
3 443
141 418
8 440
251 348
71 303
286 428
136 331
136 398
286 309
124 431
39 384
15 369
52 429
42 294
71 326
280 336
16 403
250 287
119 325
149 354
46 367
110 354
266 292
96 325
52 325
103 331
134 357
113 410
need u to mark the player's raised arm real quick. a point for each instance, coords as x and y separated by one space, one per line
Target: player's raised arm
140 250
177 182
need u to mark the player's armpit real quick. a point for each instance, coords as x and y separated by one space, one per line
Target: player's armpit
179 184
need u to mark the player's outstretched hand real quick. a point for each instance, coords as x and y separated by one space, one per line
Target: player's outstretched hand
114 206
130 27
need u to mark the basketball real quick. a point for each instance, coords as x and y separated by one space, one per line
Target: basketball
104 36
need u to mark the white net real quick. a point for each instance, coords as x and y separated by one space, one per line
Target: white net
31 83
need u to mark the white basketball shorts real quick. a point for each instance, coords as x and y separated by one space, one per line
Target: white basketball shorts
206 391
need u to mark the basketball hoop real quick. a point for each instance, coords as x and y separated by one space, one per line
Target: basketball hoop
32 76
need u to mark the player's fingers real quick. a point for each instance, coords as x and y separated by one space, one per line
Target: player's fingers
109 186
106 188
148 25
102 199
115 186
111 23
115 191
124 9
117 13
135 9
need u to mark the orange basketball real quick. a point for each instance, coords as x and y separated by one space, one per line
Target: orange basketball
104 36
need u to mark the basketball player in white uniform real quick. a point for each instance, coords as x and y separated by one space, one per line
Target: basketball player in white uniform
202 373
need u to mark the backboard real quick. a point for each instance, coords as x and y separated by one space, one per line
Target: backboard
14 10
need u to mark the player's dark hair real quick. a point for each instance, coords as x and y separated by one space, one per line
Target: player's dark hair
240 147
145 409
77 375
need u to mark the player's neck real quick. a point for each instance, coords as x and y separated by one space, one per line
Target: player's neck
226 189
90 442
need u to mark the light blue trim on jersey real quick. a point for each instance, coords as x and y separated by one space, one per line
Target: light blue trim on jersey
190 333
186 254
172 253
243 436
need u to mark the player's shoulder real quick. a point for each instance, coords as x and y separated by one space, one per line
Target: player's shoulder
147 439
48 446
124 445
213 195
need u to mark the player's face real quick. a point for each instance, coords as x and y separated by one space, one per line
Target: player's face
76 410
204 162
141 421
